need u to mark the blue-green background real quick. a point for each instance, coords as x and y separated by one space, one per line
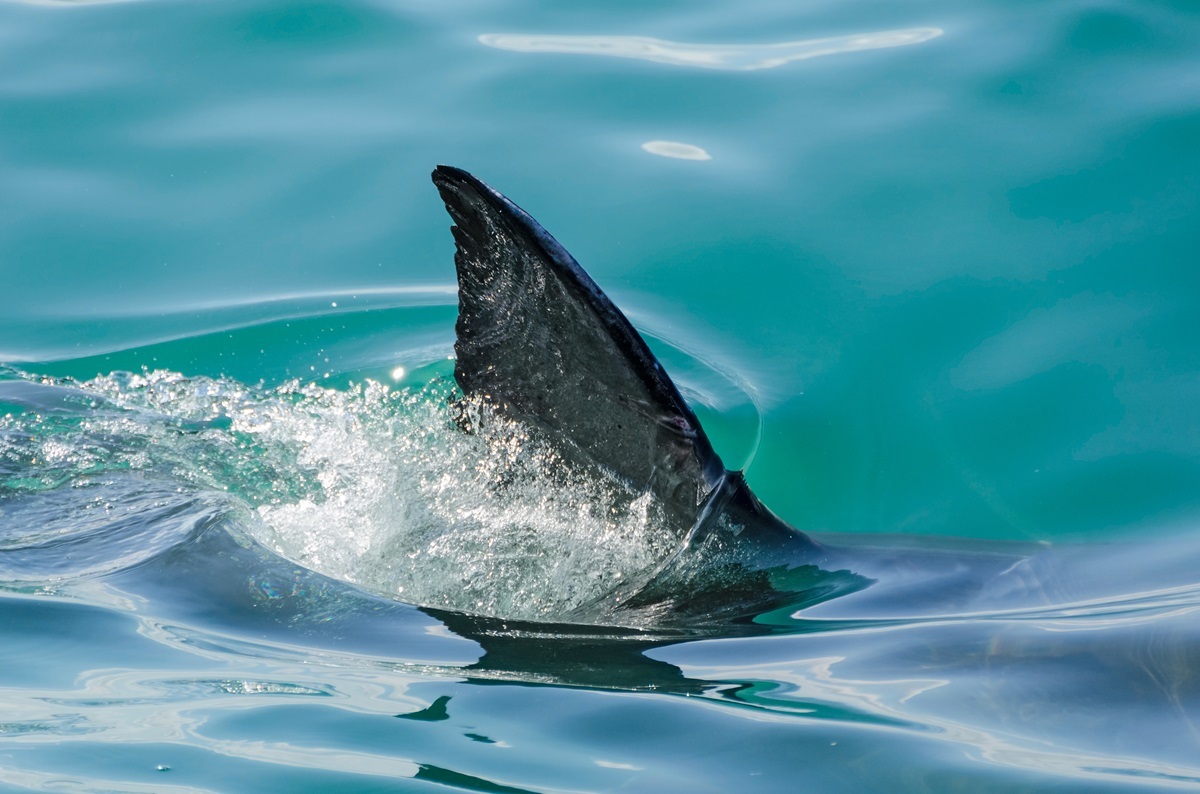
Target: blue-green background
954 282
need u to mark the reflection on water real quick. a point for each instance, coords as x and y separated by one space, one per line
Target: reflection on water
732 57
677 150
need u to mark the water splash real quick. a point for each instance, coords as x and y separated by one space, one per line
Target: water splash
372 485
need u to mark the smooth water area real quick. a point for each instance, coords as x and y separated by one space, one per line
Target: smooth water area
927 271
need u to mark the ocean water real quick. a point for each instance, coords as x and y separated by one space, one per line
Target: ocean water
926 271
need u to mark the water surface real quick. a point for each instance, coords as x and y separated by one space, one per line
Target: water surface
927 271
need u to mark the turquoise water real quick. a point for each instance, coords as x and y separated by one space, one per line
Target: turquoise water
928 271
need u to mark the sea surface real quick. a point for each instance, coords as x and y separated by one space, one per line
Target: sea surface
928 271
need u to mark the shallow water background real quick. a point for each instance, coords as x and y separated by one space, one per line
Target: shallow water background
925 269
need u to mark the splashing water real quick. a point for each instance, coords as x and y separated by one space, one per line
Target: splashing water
371 485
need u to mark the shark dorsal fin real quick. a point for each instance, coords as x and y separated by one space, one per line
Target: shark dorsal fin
540 343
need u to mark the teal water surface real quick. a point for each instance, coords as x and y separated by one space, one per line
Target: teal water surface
928 271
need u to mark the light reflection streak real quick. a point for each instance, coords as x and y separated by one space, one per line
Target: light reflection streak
36 780
303 659
172 706
618 765
676 150
814 681
69 3
728 57
136 707
1103 613
159 323
809 680
322 758
308 301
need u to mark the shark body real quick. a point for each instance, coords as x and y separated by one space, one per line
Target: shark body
540 344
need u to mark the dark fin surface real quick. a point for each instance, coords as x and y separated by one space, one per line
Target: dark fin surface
540 343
